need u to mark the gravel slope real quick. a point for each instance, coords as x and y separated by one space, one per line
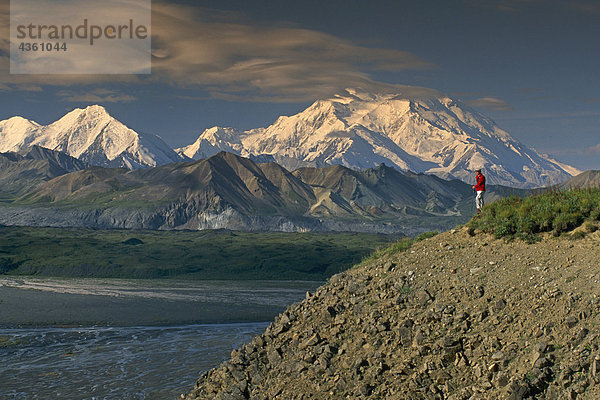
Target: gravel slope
455 317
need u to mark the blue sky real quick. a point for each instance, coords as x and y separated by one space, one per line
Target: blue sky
531 65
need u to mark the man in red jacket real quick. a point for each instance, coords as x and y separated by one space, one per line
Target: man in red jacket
479 188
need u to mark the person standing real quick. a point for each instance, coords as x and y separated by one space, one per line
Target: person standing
479 188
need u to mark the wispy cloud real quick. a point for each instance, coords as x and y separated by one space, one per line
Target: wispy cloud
233 58
490 103
586 7
593 150
590 151
96 96
28 87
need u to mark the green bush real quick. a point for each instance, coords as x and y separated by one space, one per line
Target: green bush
595 214
506 227
549 211
564 222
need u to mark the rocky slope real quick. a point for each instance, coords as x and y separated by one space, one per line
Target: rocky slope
361 129
458 316
585 179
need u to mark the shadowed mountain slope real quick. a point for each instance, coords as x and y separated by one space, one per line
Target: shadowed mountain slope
23 171
229 191
585 179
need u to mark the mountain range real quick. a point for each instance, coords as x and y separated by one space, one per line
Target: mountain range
432 134
229 191
47 188
358 129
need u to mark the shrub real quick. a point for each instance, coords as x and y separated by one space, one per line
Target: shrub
590 227
549 211
564 222
595 214
506 227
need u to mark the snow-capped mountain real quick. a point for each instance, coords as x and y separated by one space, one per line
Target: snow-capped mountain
358 129
90 135
212 141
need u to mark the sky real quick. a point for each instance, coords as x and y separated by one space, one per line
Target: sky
531 65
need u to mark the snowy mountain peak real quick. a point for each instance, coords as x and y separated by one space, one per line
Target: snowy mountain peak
91 135
93 111
17 124
16 121
218 132
13 132
410 128
90 113
212 141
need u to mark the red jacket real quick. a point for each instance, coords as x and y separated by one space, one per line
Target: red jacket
480 186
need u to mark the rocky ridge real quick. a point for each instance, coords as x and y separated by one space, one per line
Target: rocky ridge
458 316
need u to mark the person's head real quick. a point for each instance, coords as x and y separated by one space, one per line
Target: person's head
478 171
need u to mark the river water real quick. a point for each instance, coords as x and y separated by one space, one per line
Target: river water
126 339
